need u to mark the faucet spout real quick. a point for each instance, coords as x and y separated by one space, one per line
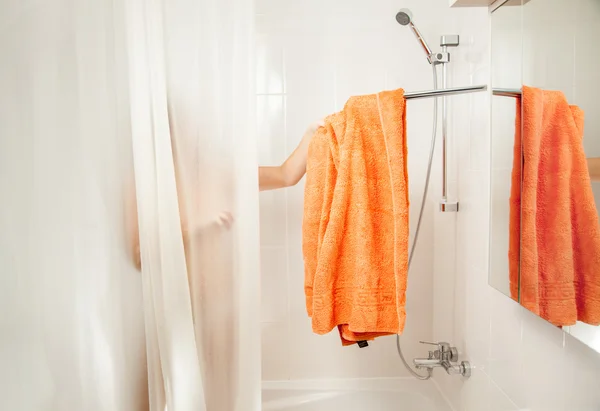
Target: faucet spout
445 357
427 362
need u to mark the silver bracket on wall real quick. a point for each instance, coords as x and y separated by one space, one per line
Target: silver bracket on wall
450 40
443 56
440 58
448 207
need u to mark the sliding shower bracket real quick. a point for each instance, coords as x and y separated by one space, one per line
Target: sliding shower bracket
443 56
440 58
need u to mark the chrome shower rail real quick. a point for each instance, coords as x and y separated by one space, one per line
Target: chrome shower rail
444 92
507 92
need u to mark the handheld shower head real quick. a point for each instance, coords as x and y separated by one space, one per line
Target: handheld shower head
404 18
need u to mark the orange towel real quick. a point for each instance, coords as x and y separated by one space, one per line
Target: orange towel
355 229
555 212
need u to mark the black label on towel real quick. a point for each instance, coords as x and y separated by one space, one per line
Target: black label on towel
362 344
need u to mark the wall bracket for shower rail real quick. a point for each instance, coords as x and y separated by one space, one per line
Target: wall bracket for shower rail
450 40
448 206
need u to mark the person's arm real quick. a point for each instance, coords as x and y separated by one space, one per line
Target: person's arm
292 170
594 168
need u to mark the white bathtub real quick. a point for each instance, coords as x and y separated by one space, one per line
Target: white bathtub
401 394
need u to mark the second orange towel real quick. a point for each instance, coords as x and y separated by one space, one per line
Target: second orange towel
355 228
554 248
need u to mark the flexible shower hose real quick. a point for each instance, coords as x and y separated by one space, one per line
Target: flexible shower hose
423 201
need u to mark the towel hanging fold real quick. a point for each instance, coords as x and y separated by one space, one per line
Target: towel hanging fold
355 227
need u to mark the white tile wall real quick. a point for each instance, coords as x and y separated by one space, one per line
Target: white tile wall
586 88
586 62
520 362
312 56
507 59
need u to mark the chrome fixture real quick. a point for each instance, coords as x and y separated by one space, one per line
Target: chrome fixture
507 92
405 18
444 92
445 42
445 357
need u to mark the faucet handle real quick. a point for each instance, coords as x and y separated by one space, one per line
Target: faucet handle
444 351
442 346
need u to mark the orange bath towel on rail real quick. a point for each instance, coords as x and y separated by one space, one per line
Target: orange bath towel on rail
555 264
355 228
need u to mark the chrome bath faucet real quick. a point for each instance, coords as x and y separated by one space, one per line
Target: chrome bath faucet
445 357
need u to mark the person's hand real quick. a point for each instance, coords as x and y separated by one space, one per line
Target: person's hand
311 130
222 221
294 167
225 220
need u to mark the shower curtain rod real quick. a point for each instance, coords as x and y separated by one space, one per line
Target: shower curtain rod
507 92
444 92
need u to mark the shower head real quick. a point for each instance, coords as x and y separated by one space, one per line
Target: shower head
404 18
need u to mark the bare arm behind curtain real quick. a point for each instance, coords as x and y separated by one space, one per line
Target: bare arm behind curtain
269 178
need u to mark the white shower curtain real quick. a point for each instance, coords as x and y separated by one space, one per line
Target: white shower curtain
71 324
98 97
192 120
